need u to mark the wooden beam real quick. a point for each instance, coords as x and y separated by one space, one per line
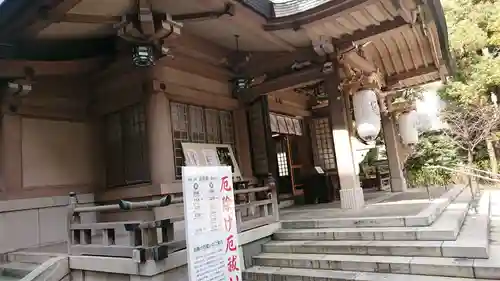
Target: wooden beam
264 62
346 41
95 19
187 44
197 67
198 48
47 17
295 79
394 79
327 9
15 16
16 68
249 21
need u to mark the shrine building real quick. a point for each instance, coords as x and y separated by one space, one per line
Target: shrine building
108 100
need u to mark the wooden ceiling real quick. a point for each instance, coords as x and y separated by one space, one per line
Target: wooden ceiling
399 46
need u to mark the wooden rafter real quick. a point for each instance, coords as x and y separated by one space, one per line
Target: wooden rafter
95 19
359 35
295 79
195 47
330 8
265 62
250 22
268 62
49 16
16 68
394 79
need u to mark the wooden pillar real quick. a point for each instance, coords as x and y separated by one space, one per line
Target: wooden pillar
351 193
398 181
11 153
161 151
242 142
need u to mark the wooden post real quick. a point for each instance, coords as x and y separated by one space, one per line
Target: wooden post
351 194
72 217
398 180
273 196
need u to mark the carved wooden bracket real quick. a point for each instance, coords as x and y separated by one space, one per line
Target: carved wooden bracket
358 81
148 26
387 106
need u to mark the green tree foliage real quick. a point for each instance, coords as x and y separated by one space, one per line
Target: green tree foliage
432 149
474 29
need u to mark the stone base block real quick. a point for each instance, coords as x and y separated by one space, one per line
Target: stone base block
352 198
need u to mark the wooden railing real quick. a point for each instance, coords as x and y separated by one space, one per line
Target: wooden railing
260 208
154 240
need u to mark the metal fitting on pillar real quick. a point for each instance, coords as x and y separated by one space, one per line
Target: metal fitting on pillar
271 182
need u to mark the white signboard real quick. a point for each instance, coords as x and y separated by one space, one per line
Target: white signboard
319 170
211 233
210 154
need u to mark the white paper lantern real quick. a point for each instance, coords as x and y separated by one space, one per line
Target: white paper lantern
408 123
367 114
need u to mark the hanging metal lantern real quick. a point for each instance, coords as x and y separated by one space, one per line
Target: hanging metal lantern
408 127
240 83
143 56
366 114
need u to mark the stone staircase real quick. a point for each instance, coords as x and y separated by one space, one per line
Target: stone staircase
30 266
450 243
16 270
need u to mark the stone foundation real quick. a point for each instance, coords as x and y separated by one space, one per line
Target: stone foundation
352 198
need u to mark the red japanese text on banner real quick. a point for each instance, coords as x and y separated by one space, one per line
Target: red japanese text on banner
211 230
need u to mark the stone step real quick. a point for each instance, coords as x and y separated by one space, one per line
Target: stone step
445 228
8 278
449 267
395 248
30 257
263 273
473 239
17 269
472 242
425 217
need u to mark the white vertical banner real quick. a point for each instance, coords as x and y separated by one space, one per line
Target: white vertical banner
211 232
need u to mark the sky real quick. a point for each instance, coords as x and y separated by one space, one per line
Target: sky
429 107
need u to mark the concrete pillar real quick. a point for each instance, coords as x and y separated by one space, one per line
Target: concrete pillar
161 156
398 181
351 193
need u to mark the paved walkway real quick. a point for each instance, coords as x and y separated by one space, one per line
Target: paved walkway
379 204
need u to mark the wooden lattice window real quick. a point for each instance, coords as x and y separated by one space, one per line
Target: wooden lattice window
213 126
324 154
127 161
227 128
180 130
199 125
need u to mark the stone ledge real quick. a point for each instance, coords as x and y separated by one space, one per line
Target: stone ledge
473 240
445 228
447 267
259 273
31 257
383 248
426 217
42 202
